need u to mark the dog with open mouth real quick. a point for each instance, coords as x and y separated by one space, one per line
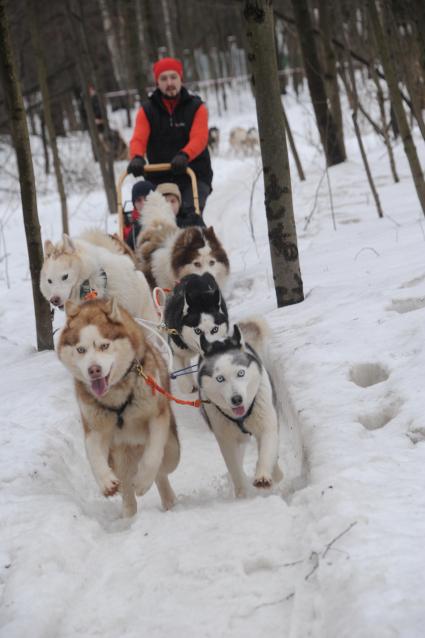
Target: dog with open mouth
240 402
130 431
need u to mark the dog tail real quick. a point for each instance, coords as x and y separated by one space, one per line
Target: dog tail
97 237
255 331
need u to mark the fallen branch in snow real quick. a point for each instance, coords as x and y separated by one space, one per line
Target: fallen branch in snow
315 556
367 248
329 545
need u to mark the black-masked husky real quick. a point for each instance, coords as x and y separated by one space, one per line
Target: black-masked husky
196 307
233 379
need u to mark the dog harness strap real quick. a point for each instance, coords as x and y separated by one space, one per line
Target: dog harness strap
87 292
119 411
239 422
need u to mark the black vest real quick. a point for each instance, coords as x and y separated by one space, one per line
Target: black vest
170 133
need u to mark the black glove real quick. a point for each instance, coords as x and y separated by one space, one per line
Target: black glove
136 166
179 163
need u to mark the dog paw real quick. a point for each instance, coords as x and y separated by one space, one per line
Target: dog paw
168 501
110 486
263 481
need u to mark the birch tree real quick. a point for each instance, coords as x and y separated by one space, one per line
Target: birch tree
258 20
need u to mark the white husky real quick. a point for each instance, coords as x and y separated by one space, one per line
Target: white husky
74 268
241 402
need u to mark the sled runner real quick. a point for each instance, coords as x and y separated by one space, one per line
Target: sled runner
150 168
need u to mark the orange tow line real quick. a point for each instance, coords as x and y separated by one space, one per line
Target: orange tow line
155 387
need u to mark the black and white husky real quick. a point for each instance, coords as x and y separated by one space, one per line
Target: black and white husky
195 307
234 380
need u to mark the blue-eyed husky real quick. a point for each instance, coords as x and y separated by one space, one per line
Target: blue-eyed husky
196 307
233 379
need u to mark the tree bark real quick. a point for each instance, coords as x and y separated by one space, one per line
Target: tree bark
258 19
388 65
19 130
325 122
331 76
45 96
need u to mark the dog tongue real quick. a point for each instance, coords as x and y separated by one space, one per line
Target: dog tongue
239 411
99 386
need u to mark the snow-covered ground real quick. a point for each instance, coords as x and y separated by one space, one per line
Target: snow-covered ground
336 550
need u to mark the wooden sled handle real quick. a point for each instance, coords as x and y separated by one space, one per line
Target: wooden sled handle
152 168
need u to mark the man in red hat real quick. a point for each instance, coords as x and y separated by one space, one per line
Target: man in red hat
172 126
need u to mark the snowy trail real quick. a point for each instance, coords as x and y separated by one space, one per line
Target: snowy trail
213 563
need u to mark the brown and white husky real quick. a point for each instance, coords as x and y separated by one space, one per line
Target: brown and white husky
130 432
193 251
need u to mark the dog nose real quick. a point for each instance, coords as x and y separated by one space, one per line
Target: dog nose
236 399
95 372
55 300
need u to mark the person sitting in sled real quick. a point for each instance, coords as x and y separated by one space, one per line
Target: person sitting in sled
132 224
172 194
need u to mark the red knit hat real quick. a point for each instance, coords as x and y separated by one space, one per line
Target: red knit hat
167 64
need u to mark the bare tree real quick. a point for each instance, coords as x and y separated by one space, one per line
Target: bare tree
42 78
258 19
84 67
19 130
326 13
388 64
328 130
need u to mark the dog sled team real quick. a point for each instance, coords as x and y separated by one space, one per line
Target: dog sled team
160 285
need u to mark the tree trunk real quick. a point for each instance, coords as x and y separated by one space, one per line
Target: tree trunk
405 65
258 19
134 48
45 96
331 76
388 65
167 27
325 122
19 130
385 125
82 59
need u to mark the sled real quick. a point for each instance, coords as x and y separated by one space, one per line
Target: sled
152 168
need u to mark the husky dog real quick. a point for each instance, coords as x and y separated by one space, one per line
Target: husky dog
193 250
213 140
241 402
74 268
158 223
111 242
130 433
194 308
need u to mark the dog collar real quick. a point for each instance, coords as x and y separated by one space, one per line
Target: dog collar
239 422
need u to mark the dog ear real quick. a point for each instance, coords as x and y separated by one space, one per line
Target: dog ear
68 244
49 248
71 309
113 310
206 346
236 339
